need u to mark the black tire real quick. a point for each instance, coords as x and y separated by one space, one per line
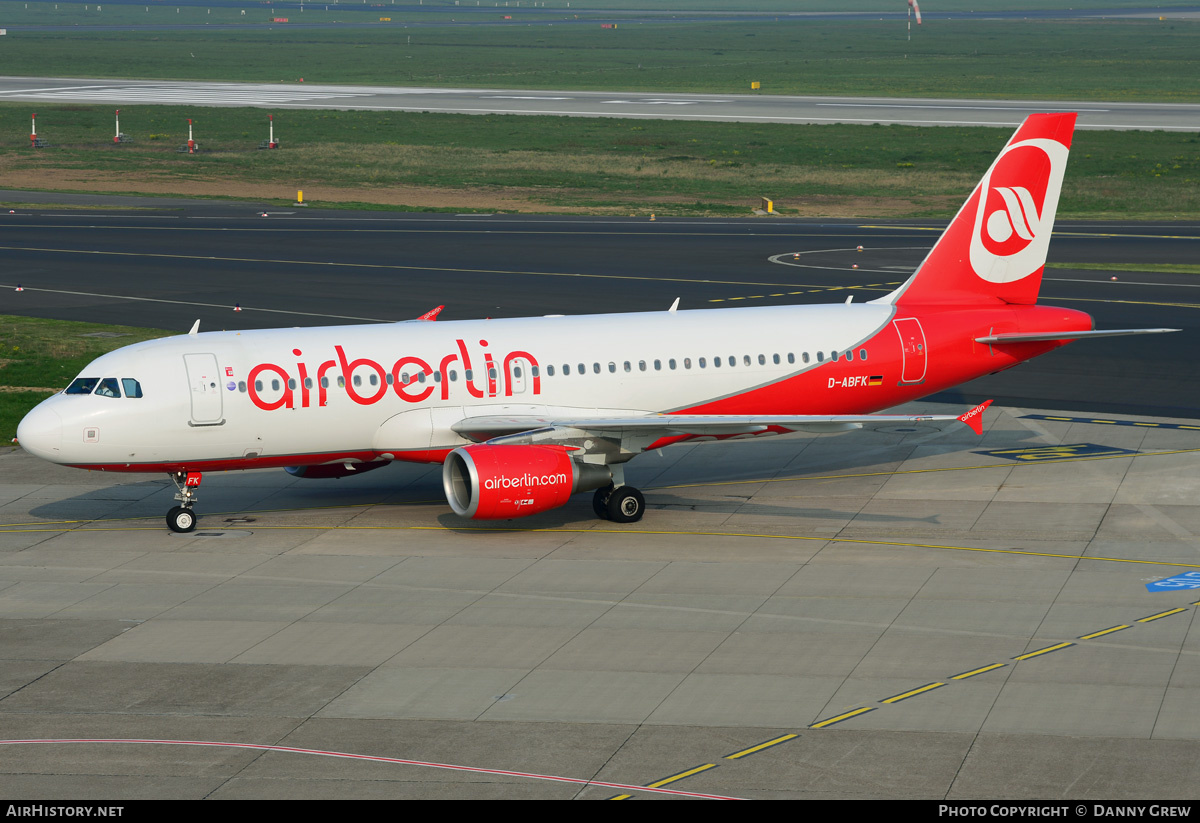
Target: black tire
181 520
626 505
600 502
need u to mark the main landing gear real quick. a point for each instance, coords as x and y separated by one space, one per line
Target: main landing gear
181 518
623 504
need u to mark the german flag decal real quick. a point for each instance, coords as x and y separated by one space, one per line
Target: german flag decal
876 380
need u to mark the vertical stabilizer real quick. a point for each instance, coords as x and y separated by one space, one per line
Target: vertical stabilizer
994 250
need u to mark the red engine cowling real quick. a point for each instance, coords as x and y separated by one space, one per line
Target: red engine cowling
500 482
324 471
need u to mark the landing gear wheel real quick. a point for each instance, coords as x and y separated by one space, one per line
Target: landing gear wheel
626 505
600 502
181 520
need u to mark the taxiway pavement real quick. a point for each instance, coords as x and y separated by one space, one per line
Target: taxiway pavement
876 614
873 615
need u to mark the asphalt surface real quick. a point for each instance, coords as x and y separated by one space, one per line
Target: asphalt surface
928 615
711 107
166 267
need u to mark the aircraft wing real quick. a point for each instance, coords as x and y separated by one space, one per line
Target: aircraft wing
501 428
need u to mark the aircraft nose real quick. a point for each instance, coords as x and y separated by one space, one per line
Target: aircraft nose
40 433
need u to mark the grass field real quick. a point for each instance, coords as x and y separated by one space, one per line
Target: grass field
1068 60
39 357
511 162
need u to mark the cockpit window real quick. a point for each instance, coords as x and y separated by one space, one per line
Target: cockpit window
82 385
134 389
108 388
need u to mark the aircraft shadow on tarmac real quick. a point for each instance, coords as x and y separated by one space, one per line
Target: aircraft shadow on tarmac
410 485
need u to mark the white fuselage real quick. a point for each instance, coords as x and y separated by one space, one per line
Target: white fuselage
285 396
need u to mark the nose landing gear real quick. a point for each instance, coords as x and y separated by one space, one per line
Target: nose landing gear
181 518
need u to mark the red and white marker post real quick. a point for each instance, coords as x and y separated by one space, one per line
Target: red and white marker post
33 132
117 133
191 142
271 144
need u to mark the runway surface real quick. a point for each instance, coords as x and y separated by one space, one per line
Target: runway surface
726 107
876 614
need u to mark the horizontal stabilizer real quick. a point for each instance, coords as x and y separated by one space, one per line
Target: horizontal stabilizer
1033 337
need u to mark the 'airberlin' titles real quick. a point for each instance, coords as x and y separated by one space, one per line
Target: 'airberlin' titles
411 378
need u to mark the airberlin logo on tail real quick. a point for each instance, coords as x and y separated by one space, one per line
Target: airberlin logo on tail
1014 214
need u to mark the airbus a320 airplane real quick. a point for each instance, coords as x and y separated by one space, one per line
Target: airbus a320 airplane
522 413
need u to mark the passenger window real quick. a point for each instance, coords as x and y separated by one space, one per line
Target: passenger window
595 368
791 357
491 374
671 362
341 382
324 382
533 370
641 365
258 386
308 383
775 359
732 361
420 377
628 367
82 385
716 362
469 374
404 378
566 368
612 368
274 385
746 359
849 354
357 380
658 365
582 369
701 362
453 376
241 388
762 360
820 357
804 356
108 388
292 383
833 356
549 371
862 354
134 389
687 362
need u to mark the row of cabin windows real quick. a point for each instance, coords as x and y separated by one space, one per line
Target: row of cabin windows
581 368
703 362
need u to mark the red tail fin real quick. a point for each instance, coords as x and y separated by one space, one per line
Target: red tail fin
994 249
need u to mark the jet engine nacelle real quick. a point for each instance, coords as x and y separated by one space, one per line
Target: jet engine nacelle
499 482
325 471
